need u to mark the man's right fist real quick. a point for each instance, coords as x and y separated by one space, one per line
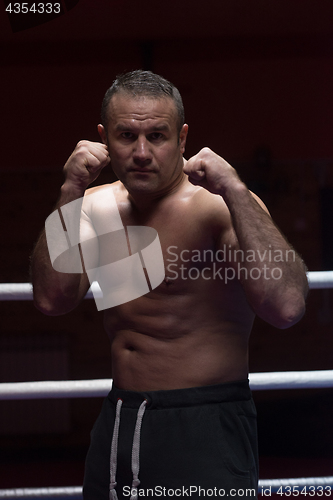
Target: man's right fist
85 164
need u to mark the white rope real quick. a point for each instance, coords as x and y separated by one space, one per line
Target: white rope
100 387
320 279
287 487
15 291
55 389
73 492
23 291
317 379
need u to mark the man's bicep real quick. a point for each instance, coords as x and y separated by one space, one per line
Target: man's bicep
228 241
260 203
228 234
89 247
228 245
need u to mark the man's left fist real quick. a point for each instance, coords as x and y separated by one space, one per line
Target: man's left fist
210 171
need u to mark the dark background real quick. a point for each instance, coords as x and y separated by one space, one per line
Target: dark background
256 79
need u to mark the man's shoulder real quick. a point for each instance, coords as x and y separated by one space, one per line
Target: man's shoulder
103 193
101 200
207 204
204 212
114 186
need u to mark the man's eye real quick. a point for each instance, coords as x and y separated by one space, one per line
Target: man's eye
156 136
127 135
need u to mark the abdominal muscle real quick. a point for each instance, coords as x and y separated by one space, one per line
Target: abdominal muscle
165 341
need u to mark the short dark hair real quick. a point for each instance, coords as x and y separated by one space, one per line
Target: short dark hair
144 83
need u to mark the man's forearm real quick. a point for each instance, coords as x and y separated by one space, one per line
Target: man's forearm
273 275
55 292
59 292
278 299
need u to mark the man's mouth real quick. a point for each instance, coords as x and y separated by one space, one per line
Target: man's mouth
142 170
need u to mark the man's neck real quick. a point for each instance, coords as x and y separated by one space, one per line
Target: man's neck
145 202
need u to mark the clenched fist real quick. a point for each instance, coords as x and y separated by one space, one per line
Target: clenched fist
210 171
85 164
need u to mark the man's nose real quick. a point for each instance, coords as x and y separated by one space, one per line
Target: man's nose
142 153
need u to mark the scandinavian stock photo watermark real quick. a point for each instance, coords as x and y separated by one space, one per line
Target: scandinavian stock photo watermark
227 263
281 490
189 491
88 235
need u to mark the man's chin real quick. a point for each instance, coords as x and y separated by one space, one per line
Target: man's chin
141 187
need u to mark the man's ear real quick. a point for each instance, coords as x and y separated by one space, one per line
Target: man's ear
102 133
182 138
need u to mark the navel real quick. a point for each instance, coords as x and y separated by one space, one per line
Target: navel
168 281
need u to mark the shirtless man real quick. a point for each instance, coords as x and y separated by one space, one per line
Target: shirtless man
180 352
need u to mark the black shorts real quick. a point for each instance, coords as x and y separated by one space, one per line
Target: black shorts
188 443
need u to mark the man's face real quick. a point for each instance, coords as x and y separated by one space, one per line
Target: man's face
144 145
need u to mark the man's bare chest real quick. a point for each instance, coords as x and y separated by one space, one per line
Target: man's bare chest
186 231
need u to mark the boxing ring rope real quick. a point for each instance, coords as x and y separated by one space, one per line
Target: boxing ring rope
70 492
99 388
266 488
23 291
318 379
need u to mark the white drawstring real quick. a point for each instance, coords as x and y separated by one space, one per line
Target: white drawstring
135 452
114 452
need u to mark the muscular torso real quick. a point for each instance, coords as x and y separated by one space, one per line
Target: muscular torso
193 329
